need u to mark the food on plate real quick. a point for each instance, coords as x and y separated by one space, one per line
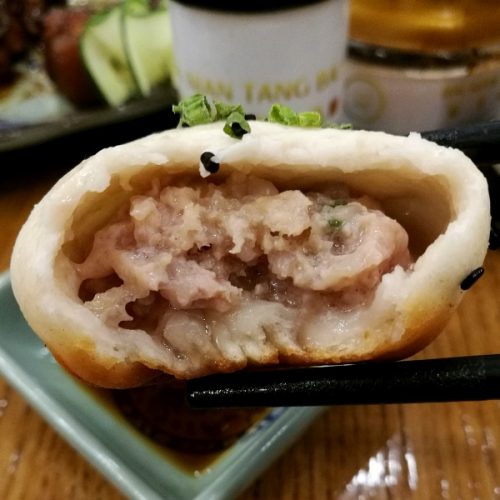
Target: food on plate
116 53
90 53
229 245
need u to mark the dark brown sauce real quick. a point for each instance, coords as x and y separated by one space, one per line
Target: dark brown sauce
191 439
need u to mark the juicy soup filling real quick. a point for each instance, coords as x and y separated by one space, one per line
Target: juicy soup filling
185 256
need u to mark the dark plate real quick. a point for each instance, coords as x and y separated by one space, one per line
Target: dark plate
82 133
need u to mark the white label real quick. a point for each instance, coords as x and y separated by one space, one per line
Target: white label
290 56
401 101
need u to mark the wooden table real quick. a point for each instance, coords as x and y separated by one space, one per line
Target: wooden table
427 451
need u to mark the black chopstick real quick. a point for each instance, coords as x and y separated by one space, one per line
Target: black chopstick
479 141
470 378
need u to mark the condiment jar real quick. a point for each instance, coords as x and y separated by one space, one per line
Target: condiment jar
417 65
259 53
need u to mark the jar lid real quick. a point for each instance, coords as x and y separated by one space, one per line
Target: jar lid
248 6
426 25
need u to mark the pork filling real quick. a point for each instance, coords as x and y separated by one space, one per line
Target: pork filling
198 246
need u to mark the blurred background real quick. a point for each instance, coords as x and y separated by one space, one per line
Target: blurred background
97 73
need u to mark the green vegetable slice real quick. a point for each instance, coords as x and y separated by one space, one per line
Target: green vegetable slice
147 36
104 56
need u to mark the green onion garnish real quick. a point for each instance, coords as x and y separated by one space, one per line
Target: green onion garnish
223 110
197 110
282 114
194 110
287 116
236 126
335 223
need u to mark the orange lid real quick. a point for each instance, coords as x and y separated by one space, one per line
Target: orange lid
426 25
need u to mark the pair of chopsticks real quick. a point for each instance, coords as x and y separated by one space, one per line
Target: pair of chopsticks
479 141
470 378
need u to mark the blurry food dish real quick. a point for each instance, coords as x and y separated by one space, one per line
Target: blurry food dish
31 99
293 246
126 50
46 117
79 58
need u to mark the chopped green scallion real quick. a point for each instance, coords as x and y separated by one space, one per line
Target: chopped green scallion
197 110
194 110
279 113
284 115
223 109
335 223
309 119
236 126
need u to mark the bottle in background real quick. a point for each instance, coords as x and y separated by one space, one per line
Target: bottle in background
417 65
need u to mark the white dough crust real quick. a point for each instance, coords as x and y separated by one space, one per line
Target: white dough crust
436 193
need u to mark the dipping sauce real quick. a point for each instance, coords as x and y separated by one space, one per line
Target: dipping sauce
161 413
192 439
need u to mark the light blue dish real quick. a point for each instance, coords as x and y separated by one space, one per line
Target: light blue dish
139 468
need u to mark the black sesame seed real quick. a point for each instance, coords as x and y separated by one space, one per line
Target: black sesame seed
208 163
472 278
238 130
250 116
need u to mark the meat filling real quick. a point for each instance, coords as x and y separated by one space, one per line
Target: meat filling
202 246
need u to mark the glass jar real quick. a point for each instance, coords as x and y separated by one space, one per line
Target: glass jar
259 53
416 65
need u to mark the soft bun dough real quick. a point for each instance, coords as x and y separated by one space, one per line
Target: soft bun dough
436 193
